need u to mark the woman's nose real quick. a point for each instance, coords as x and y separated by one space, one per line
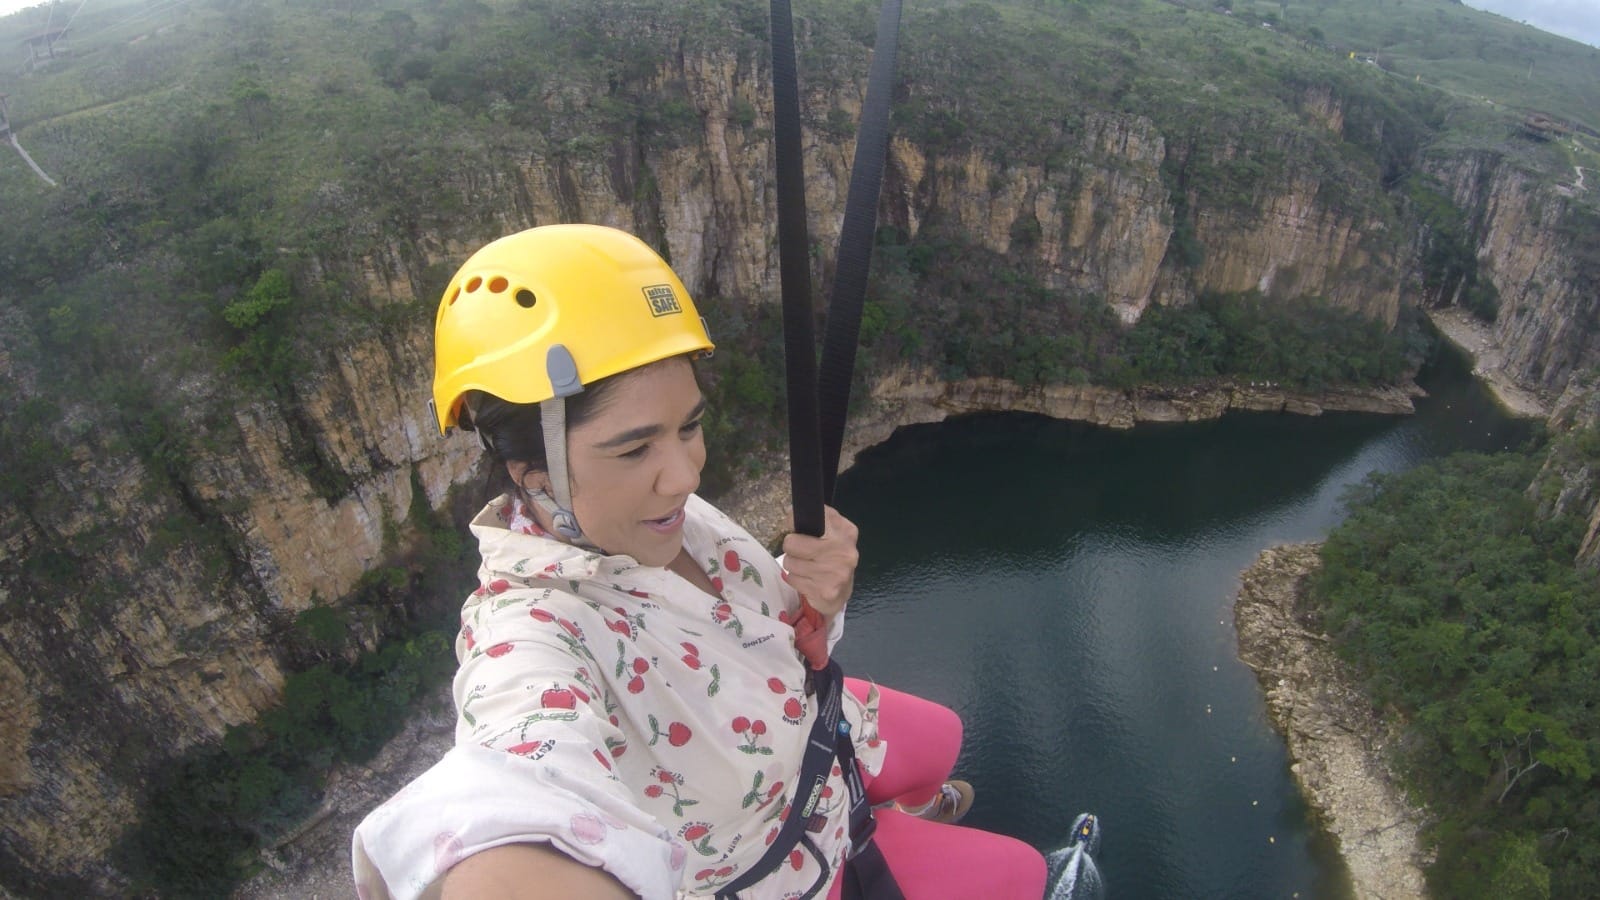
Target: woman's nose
681 473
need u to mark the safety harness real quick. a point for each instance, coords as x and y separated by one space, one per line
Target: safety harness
866 873
817 410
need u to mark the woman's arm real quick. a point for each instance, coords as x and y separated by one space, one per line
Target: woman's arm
529 872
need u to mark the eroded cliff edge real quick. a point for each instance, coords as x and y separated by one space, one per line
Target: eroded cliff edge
1339 744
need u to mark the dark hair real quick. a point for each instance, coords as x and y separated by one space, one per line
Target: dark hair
513 432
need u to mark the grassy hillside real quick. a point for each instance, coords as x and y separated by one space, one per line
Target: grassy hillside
1500 73
1466 52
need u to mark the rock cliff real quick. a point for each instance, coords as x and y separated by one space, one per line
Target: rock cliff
914 396
1569 481
176 625
1536 241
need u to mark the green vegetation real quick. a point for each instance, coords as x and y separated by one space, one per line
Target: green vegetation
206 815
1311 345
944 302
29 452
1465 611
743 383
276 181
1467 52
1449 261
996 319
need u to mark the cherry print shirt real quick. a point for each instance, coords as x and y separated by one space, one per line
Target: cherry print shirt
624 716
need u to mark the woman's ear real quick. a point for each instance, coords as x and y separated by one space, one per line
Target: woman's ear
528 478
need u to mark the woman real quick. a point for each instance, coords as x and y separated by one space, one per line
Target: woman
632 708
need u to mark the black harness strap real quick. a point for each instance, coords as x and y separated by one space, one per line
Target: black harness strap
811 465
794 272
866 872
830 736
856 235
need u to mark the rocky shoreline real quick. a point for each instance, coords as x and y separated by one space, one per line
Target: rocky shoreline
1477 340
910 396
1338 743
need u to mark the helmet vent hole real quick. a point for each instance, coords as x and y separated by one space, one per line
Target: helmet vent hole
473 284
453 295
498 285
525 298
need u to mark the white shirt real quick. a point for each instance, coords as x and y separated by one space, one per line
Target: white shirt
624 716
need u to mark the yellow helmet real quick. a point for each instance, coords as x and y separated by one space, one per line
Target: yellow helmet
540 313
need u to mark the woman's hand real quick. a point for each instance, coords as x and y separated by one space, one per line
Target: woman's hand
823 569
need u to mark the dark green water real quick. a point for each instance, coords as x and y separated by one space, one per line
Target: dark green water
1068 589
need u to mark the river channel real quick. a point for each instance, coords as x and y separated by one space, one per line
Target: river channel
1068 590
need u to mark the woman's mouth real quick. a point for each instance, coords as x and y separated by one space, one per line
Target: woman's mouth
666 523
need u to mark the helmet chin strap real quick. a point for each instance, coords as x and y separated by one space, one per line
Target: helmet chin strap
553 419
563 373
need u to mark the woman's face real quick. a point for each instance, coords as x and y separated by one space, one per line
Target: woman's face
635 462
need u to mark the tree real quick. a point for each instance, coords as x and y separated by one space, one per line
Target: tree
253 103
1517 871
264 352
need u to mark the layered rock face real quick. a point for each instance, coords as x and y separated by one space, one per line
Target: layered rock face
99 685
1569 481
1545 263
1536 242
1100 228
911 396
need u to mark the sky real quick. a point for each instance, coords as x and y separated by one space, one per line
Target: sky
7 7
1576 19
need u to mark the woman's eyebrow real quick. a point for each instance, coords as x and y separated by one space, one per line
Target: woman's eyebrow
641 433
698 411
645 432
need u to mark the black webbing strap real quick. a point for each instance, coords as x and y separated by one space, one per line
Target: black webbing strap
854 256
866 873
810 479
817 414
815 767
794 271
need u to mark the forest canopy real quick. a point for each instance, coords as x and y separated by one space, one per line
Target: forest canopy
1463 607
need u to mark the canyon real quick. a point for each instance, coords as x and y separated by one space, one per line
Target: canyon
176 637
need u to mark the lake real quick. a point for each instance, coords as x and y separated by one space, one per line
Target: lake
1068 589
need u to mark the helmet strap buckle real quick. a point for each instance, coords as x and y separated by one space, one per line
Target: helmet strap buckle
566 524
563 372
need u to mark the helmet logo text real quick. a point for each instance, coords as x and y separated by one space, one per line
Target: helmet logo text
663 302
